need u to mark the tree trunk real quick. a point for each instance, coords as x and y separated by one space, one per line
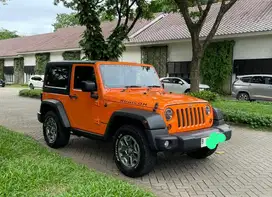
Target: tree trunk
197 51
195 73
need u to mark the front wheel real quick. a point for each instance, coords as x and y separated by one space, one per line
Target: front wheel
31 86
55 134
202 153
132 154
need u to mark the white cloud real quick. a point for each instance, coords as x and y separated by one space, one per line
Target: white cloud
31 17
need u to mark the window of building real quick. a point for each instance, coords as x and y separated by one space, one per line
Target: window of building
57 76
83 73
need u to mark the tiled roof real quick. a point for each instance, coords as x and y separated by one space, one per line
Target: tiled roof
65 38
244 17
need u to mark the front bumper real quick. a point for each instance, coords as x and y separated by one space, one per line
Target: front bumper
187 141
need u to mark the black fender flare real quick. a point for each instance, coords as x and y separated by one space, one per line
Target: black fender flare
218 117
152 122
58 108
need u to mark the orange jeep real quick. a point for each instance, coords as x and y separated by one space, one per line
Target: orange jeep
125 102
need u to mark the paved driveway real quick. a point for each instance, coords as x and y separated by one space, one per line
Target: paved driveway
244 167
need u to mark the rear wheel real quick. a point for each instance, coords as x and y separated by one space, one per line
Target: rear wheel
243 96
201 153
31 86
187 91
55 134
132 154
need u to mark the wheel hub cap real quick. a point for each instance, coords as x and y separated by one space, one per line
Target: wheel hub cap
51 129
128 151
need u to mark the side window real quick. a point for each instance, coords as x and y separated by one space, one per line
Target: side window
246 79
166 81
268 80
57 76
83 73
258 80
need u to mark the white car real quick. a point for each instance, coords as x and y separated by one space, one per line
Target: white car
178 85
36 81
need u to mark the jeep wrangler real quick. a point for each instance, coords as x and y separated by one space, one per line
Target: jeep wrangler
125 102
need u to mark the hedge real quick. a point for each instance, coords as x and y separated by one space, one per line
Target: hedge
30 93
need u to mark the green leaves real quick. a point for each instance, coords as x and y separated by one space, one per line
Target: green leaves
205 95
216 65
71 55
41 60
2 68
6 34
65 20
257 115
30 93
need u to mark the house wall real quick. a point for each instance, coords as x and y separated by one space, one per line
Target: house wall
56 56
9 62
253 48
179 52
30 60
132 54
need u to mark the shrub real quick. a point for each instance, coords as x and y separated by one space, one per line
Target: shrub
30 93
205 95
256 115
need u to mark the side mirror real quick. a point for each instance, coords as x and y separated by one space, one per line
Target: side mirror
88 86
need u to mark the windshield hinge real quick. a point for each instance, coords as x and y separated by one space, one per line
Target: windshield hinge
155 107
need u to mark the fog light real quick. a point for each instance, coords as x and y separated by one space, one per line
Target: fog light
166 144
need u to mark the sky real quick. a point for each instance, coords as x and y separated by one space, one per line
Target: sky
29 17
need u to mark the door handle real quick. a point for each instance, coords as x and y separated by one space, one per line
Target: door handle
73 96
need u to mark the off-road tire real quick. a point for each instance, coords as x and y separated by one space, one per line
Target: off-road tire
31 86
201 153
63 135
147 156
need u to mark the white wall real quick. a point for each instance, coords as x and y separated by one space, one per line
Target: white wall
30 60
132 54
56 56
9 62
179 51
253 48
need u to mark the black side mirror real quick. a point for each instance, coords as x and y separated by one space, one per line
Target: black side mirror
88 86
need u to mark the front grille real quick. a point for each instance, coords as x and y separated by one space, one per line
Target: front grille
190 117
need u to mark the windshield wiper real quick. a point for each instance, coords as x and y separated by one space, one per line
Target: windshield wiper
154 86
133 86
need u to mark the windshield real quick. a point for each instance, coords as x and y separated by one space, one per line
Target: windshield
121 76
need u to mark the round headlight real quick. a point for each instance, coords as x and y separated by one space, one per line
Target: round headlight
168 114
208 110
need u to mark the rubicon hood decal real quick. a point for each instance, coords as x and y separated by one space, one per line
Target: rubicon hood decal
133 102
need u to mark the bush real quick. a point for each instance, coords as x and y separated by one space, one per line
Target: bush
30 93
255 114
205 95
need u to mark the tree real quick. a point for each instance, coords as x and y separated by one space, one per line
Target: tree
195 19
125 14
65 20
6 34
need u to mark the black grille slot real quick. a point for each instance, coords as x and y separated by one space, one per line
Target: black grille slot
178 114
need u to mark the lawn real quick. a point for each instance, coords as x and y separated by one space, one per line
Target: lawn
29 169
255 114
17 85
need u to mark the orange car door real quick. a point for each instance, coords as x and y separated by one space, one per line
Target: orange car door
83 110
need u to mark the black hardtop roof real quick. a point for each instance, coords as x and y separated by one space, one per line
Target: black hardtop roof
70 62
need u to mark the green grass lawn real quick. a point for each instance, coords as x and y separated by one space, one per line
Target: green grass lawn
17 85
29 169
255 114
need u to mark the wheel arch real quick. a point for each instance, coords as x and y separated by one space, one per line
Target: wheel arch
145 119
58 108
243 91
